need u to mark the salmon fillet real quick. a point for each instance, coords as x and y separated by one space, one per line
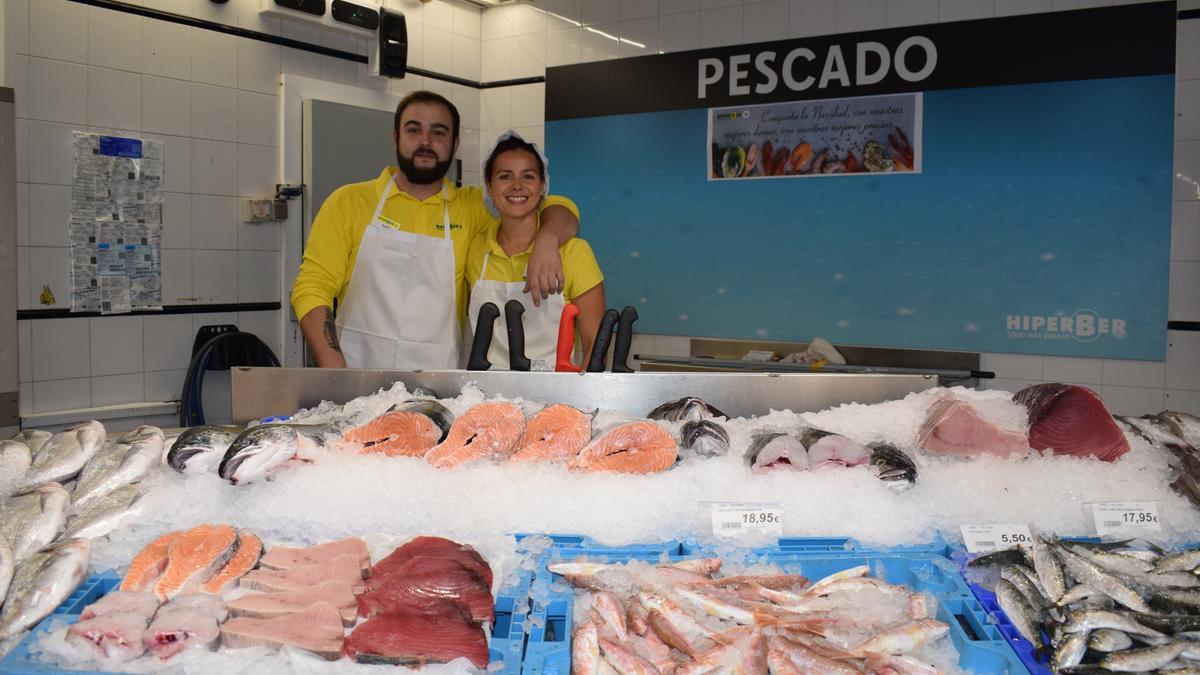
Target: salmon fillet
487 431
194 557
396 434
318 629
340 594
344 568
248 551
148 565
554 433
287 557
633 447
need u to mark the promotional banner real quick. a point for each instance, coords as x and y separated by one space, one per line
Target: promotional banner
1001 185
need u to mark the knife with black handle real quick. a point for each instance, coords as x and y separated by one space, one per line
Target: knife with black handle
620 361
482 342
513 309
603 340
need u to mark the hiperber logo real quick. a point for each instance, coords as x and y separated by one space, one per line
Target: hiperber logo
1084 325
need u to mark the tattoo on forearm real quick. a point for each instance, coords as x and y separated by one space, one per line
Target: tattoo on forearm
331 331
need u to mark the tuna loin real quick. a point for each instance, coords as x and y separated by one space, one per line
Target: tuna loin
1072 420
438 634
434 547
424 581
952 427
317 629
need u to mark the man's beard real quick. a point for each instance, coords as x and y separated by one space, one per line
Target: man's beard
420 175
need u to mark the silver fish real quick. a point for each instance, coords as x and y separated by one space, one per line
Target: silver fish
104 514
1023 615
200 449
1049 570
1091 574
30 521
1155 432
43 583
1114 562
705 438
258 451
825 447
1017 576
440 414
15 458
34 438
893 466
119 463
1184 561
1142 660
685 409
1176 600
1183 425
65 454
774 449
1087 620
1070 651
1108 640
8 565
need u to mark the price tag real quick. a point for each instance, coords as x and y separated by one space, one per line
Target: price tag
988 538
730 519
759 355
1122 517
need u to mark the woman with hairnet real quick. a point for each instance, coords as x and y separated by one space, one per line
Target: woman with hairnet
515 178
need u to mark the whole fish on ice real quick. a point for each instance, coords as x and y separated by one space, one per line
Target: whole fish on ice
260 450
200 449
34 438
893 466
704 438
65 454
120 463
42 583
685 409
15 458
30 521
104 514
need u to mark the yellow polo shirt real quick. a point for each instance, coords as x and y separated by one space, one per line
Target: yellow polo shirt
580 269
332 247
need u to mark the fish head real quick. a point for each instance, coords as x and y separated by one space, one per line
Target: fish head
256 452
91 436
776 451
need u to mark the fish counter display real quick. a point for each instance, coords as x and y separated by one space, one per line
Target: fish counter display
398 465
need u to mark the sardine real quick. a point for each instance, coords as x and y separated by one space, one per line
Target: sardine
43 583
105 514
893 466
1087 620
118 464
1176 600
1116 563
1172 623
685 409
440 414
65 454
1008 556
1024 616
200 449
258 451
1183 425
1049 569
1142 660
705 438
1091 574
1184 561
1108 640
1070 651
774 449
1023 581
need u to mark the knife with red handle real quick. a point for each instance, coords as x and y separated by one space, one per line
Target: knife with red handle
566 341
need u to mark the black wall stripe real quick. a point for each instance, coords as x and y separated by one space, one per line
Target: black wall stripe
27 314
146 12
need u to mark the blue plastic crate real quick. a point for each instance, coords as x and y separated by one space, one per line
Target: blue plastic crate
91 590
981 647
830 546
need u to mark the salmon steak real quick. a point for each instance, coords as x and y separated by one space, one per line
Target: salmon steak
396 434
194 557
486 431
633 447
340 594
439 634
318 629
148 565
434 547
344 568
556 432
248 551
287 557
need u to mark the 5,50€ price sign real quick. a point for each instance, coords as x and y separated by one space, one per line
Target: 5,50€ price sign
988 538
730 519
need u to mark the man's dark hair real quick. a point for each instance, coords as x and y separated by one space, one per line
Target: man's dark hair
423 96
512 144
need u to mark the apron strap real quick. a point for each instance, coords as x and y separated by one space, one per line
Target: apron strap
382 200
483 272
445 213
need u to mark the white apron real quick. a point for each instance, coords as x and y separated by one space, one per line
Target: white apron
398 311
541 323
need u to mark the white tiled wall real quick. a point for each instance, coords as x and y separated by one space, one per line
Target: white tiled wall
214 100
578 31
